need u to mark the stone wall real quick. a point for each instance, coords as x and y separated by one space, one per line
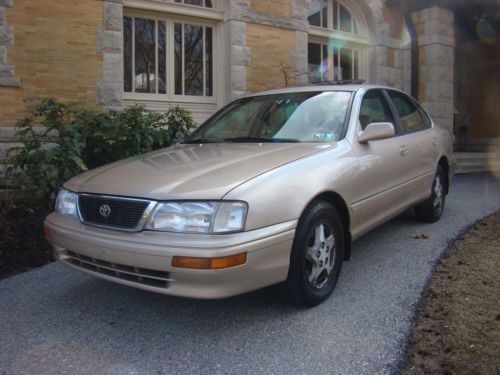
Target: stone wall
435 29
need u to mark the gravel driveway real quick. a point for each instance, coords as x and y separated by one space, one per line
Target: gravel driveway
55 320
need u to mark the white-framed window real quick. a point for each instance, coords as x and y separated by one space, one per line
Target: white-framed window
337 41
171 55
168 56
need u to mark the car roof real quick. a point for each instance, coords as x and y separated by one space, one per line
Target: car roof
351 87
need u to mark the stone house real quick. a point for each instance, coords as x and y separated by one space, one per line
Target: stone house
200 54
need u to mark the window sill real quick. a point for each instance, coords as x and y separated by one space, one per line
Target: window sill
174 8
166 98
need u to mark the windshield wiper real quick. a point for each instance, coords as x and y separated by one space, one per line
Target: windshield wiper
262 139
199 140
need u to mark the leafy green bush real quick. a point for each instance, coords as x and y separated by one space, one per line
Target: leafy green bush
60 141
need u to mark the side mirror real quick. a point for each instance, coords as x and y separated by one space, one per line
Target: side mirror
377 130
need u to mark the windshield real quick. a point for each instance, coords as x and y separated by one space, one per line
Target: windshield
291 117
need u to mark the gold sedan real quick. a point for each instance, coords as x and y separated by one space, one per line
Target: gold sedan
273 188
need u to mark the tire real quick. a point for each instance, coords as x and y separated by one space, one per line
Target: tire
432 208
316 260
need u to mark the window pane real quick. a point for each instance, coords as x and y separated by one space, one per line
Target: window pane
208 3
345 19
193 60
208 61
374 108
325 62
324 14
409 116
314 62
335 16
162 58
127 54
178 58
145 55
314 13
346 63
356 64
336 68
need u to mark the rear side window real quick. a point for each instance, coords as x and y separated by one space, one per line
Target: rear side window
409 115
374 108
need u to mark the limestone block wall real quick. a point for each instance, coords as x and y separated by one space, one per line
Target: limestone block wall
435 30
391 46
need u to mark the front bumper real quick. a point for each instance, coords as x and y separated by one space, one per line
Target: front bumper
143 260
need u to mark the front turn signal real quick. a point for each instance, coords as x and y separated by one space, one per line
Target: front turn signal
199 263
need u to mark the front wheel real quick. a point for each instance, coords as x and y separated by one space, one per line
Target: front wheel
317 254
432 208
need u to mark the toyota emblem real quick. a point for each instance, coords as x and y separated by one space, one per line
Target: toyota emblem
105 210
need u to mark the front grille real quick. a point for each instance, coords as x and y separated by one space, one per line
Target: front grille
123 213
159 279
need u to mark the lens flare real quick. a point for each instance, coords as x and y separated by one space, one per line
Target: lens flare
494 160
485 32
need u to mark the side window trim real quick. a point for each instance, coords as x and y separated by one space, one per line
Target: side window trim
395 114
417 106
423 113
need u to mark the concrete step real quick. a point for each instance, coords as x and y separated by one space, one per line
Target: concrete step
472 162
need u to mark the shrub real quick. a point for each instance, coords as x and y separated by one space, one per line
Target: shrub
60 141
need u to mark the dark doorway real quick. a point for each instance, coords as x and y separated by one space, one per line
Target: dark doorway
477 74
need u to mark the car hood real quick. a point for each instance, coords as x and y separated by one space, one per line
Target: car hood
206 171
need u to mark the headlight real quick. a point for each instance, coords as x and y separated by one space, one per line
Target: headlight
66 204
198 217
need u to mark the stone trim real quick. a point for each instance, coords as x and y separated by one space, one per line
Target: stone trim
248 15
110 43
238 58
7 73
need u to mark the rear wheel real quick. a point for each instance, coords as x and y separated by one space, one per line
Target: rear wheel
432 208
317 254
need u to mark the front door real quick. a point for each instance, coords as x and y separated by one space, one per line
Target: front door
384 167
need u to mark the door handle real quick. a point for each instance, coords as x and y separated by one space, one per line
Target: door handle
434 141
403 150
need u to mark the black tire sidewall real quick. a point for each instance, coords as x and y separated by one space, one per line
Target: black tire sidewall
426 211
300 291
439 176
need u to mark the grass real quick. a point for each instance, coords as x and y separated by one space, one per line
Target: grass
458 324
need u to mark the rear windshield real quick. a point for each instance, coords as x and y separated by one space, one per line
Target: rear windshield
290 117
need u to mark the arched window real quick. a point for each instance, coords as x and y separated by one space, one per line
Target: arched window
337 41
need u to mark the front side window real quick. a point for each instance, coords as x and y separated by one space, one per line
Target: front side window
294 117
374 108
410 117
162 56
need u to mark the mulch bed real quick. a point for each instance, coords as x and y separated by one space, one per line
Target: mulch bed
458 325
22 243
